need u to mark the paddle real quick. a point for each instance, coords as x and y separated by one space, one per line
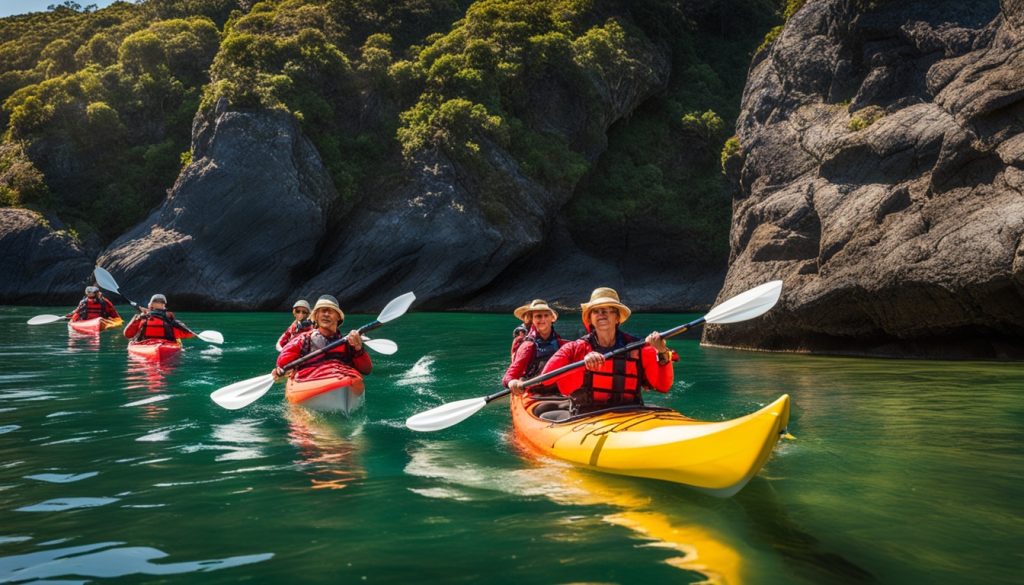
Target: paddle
46 319
240 394
744 306
105 280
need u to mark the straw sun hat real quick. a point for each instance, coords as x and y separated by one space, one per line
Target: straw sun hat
535 305
329 302
604 297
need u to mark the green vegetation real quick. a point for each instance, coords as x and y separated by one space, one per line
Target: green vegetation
791 8
98 104
864 118
729 150
105 108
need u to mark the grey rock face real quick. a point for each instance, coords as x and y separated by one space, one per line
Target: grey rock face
883 180
453 228
39 265
241 220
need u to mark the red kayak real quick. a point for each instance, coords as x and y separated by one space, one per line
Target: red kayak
332 387
154 349
94 326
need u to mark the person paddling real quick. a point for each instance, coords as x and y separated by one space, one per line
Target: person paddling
349 358
300 310
156 322
617 381
536 348
93 305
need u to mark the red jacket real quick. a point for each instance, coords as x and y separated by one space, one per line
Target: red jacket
101 307
524 355
358 362
655 376
155 327
289 333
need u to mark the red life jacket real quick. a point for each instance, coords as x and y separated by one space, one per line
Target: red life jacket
92 308
618 382
315 340
159 325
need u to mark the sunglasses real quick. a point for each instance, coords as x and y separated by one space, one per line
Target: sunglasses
300 311
605 311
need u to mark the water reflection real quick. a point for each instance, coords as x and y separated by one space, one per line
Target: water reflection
108 559
701 549
82 342
330 460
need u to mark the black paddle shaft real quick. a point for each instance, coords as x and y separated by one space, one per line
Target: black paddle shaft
298 362
626 348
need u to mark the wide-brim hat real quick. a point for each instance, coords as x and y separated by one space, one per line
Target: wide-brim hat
301 303
158 298
604 297
535 305
91 289
329 302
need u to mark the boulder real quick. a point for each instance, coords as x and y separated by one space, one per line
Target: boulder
40 265
242 221
882 179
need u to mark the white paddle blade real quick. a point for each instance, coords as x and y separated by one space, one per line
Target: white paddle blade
396 308
44 319
244 393
211 336
445 415
753 303
381 346
105 280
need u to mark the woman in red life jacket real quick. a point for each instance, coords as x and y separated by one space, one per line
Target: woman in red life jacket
92 306
349 358
156 322
617 381
302 323
537 347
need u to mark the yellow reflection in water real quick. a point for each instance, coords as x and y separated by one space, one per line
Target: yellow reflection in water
703 550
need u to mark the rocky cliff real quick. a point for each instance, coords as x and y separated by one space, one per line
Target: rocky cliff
881 176
241 222
40 264
245 225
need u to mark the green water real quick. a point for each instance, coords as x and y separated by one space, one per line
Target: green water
902 471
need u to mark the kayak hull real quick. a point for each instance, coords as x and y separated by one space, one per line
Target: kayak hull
718 458
337 393
154 349
94 326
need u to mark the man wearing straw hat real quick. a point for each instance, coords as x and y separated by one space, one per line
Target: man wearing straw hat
620 380
328 317
300 310
538 346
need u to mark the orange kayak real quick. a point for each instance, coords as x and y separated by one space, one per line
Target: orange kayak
341 389
718 457
154 349
94 326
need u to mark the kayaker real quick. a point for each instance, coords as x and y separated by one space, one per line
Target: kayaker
518 334
537 347
156 322
327 316
300 310
93 305
618 381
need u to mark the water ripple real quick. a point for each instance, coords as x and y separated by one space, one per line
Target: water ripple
63 504
116 561
62 477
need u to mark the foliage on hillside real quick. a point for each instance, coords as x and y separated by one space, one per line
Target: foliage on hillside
102 102
97 105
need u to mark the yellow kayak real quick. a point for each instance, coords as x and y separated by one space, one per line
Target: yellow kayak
642 441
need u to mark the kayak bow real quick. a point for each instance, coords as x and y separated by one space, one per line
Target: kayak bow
718 458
